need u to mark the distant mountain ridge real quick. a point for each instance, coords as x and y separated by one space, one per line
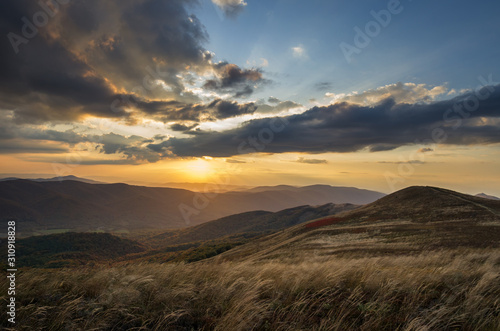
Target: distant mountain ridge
486 196
55 179
76 206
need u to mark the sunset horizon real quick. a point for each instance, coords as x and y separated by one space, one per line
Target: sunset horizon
195 90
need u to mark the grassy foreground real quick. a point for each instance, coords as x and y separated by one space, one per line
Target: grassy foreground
440 290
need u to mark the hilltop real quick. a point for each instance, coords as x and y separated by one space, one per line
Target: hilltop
486 196
409 221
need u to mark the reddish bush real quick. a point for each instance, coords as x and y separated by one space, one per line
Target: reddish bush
324 222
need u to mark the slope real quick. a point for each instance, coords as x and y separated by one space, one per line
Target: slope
248 224
411 221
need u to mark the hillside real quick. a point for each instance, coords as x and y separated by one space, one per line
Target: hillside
72 249
410 221
42 207
249 224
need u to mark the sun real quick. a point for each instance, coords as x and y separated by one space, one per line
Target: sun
199 169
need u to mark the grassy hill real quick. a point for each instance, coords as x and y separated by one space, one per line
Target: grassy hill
410 221
250 224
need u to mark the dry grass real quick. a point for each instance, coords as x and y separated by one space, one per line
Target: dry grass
445 290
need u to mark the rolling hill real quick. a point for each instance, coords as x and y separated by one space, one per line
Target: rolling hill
409 221
75 206
249 224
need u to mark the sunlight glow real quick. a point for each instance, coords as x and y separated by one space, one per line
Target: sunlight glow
199 169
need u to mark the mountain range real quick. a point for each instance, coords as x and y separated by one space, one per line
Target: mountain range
42 207
55 179
410 221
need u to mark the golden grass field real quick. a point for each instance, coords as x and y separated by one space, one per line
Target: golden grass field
441 290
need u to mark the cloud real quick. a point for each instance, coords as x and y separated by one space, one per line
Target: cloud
278 107
399 92
218 109
182 127
234 161
263 63
22 146
341 127
273 100
86 161
231 8
323 86
123 60
299 52
348 127
403 162
425 150
229 78
311 161
223 109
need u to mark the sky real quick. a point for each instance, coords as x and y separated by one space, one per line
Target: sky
374 94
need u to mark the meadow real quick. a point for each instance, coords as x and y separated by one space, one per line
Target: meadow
439 290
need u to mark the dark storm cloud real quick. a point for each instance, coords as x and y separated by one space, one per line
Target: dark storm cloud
340 127
232 79
45 81
347 128
88 51
216 110
181 127
226 109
